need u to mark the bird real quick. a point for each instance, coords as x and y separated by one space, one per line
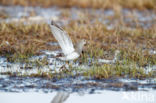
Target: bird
65 42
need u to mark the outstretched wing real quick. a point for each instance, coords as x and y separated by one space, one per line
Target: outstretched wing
63 39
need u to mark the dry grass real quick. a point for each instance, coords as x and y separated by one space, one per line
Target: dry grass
134 44
24 40
115 4
29 40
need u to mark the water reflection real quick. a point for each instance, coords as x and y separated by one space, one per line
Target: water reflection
60 97
63 97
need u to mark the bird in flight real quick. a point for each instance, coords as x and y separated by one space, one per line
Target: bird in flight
65 42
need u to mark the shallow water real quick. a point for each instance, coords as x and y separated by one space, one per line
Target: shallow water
100 97
73 84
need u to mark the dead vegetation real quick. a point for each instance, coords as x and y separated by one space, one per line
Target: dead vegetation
24 40
115 4
29 40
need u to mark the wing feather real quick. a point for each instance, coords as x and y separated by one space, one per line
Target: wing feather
63 39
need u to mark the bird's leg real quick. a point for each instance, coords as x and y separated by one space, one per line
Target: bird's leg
70 66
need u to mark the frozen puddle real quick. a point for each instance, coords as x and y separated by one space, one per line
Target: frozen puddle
65 97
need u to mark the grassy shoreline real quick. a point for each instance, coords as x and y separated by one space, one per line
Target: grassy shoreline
19 42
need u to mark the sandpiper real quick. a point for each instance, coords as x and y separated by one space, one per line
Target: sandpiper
65 42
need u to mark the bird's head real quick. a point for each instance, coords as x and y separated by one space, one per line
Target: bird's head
80 45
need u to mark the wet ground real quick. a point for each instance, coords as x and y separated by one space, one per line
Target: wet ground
25 77
131 18
19 85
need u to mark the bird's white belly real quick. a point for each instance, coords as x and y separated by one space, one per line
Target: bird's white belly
72 56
